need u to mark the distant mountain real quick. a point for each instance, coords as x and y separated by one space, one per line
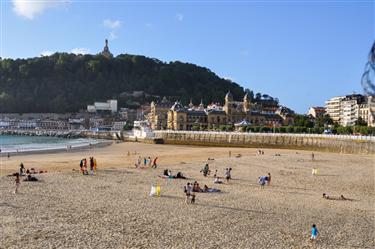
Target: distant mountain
66 82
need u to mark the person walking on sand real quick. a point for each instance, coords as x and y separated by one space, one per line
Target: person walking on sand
205 170
314 232
188 190
312 156
154 165
85 167
149 161
81 166
91 165
227 174
138 162
18 182
95 165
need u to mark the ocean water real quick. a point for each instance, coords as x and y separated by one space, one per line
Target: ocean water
39 143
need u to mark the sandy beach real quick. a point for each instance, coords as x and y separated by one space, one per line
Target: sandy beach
113 209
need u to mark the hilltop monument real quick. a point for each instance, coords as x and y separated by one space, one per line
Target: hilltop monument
106 52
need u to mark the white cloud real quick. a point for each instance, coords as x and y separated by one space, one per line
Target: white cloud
80 51
31 8
179 17
112 24
46 53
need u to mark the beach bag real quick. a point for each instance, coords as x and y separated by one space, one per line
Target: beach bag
157 190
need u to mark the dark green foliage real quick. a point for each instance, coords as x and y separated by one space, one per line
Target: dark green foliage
322 121
360 122
127 127
66 82
302 120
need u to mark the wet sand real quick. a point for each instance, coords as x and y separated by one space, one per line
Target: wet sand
113 209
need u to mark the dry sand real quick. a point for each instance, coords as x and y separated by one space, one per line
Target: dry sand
113 210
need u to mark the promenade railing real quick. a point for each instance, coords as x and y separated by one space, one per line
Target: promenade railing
332 136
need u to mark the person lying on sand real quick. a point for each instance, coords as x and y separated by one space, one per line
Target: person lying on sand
341 198
206 189
179 175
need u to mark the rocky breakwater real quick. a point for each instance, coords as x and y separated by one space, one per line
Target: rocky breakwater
115 135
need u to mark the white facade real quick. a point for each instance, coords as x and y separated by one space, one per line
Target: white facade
142 129
110 105
348 109
316 111
333 108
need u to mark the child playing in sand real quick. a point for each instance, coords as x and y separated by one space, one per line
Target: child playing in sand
18 182
314 232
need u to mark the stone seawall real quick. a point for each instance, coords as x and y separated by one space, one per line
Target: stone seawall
327 143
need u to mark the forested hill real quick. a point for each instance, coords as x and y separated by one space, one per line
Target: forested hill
66 82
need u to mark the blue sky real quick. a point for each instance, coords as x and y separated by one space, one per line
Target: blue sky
302 52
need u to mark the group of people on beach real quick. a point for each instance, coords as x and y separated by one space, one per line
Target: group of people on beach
27 173
217 179
83 166
146 162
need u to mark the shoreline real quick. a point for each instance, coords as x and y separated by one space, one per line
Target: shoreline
73 148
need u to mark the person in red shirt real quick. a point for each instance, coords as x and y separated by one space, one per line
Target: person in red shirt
154 165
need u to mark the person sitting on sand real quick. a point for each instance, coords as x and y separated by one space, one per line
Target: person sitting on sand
268 178
166 172
22 169
218 180
196 187
343 198
262 181
325 196
30 178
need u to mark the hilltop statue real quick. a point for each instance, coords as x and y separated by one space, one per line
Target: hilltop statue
106 51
